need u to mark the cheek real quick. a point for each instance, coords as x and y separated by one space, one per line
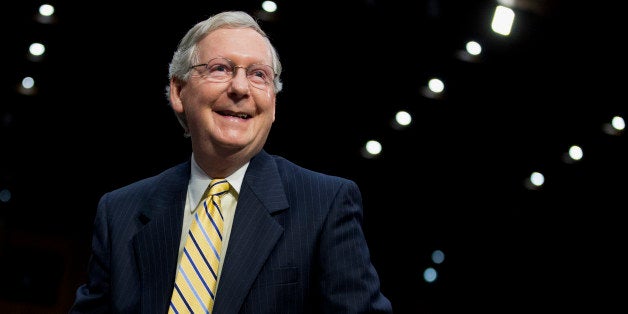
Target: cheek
270 112
266 103
197 96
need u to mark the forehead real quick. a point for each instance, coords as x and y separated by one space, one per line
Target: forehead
235 44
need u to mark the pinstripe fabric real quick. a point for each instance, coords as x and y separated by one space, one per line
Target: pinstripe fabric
197 274
296 246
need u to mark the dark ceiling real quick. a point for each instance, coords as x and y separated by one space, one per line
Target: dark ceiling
101 118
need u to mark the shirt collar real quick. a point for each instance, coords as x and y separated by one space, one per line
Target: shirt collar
199 181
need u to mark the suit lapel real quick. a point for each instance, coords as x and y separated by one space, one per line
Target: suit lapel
156 245
254 232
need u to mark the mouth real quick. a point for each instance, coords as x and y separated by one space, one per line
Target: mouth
240 115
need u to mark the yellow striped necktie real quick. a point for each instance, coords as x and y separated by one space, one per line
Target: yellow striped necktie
197 274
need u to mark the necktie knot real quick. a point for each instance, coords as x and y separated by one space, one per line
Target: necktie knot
218 187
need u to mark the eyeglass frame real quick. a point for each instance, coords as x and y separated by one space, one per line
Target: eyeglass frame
234 70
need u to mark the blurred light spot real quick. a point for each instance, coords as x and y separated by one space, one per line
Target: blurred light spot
503 18
471 53
575 152
46 10
5 196
436 85
269 6
473 48
615 127
371 149
46 14
37 49
28 82
618 123
537 178
27 86
402 120
438 256
434 88
430 274
535 181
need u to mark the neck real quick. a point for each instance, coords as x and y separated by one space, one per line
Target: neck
221 165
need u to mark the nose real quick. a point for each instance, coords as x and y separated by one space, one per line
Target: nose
239 82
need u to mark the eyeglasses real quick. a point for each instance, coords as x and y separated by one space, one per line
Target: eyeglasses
222 70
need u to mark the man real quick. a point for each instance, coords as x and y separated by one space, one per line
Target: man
289 240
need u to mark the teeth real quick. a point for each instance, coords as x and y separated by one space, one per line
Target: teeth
238 115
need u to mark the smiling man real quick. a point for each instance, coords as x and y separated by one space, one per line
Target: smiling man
233 229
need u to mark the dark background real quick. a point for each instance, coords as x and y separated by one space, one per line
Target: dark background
100 120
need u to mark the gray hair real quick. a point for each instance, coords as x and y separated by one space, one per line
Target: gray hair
186 54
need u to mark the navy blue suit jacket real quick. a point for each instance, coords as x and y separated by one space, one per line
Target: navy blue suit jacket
296 246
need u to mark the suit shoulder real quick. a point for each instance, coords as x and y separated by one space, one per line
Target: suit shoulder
288 169
173 175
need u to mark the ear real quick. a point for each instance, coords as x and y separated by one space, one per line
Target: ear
175 95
